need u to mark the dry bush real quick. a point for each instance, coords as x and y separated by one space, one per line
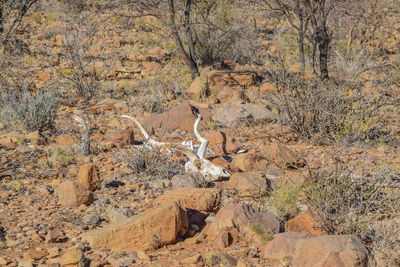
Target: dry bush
152 94
340 111
32 112
223 33
362 203
150 163
86 59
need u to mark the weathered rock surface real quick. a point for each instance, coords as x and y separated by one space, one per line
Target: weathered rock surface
71 256
71 194
235 114
305 222
330 250
239 216
89 176
222 143
180 117
248 184
120 138
187 180
200 199
284 244
155 227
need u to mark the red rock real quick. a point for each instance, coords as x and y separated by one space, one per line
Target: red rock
89 176
222 143
180 117
120 138
151 229
330 250
200 199
305 222
240 216
72 194
283 245
248 184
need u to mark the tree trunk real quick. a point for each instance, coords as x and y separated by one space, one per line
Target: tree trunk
189 37
323 47
186 57
300 40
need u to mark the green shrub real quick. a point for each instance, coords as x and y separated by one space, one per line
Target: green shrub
283 200
32 112
262 231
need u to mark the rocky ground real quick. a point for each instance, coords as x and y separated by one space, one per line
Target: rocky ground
59 209
126 205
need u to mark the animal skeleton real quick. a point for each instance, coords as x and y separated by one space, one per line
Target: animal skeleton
197 162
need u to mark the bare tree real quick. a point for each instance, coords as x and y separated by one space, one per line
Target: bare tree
11 14
176 15
294 12
310 18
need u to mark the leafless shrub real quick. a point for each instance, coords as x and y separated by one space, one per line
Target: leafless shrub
32 112
331 111
360 202
85 59
222 34
153 93
150 162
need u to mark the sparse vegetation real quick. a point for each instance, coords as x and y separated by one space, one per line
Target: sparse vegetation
283 200
151 163
323 75
32 112
331 112
362 203
262 231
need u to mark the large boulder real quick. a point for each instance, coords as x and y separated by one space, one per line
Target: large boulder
72 194
305 222
240 216
283 156
250 161
248 184
200 199
221 143
153 228
330 250
180 117
283 245
199 88
89 176
235 114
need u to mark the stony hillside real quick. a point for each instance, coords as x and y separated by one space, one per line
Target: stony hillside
253 161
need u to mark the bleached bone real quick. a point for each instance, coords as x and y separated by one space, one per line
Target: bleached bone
197 162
